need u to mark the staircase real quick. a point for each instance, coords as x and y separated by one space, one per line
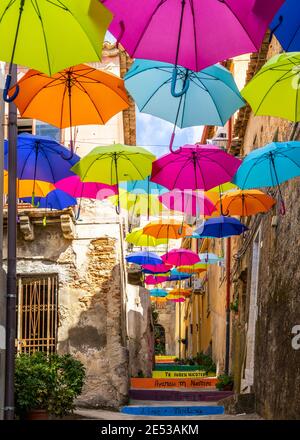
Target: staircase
187 391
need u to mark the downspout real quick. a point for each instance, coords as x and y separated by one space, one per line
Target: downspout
228 273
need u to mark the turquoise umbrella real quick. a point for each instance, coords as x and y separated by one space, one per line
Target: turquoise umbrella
208 97
269 166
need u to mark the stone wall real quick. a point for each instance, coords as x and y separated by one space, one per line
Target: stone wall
91 296
167 318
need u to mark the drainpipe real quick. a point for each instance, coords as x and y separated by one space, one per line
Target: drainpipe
2 273
228 270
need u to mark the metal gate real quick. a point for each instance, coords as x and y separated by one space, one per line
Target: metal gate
37 313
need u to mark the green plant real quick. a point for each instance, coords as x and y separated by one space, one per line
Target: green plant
46 382
225 382
234 306
205 362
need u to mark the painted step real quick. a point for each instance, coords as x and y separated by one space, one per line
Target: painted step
175 411
174 395
176 367
168 374
150 383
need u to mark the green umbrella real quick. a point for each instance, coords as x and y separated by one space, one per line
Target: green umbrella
50 35
274 90
114 163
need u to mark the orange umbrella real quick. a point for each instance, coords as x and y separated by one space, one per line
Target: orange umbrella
29 188
180 292
245 203
169 229
197 268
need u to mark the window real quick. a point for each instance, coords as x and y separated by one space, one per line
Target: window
37 313
43 129
25 126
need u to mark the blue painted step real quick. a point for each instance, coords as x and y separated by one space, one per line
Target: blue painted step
173 410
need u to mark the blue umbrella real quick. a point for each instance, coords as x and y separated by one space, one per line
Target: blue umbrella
56 199
208 97
41 158
220 227
178 276
286 26
269 166
160 293
143 186
144 258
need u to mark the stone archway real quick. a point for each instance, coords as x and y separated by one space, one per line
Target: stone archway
159 339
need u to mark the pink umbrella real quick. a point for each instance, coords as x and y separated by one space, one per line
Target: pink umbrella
195 167
193 34
177 300
90 190
153 280
189 202
159 268
180 257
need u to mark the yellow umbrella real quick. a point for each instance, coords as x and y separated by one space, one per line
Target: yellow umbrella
29 188
138 238
196 268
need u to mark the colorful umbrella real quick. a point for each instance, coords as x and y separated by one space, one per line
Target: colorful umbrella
52 35
189 33
79 95
188 201
143 258
274 90
159 293
138 238
212 91
159 268
138 204
175 275
180 292
143 187
89 190
195 167
55 199
176 300
209 258
154 279
114 163
195 268
25 188
41 158
221 227
169 229
286 25
245 203
180 257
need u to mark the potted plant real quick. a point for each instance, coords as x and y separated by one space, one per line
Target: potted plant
47 385
225 383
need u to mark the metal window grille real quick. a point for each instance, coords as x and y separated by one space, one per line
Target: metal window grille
37 313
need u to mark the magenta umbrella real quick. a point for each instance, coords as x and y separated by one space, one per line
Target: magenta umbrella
158 268
153 280
90 190
193 34
195 167
181 257
188 201
177 300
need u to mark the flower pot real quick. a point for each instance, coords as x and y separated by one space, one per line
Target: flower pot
37 414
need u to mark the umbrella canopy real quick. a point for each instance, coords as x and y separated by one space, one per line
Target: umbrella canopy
51 35
209 258
159 293
114 163
89 190
41 158
143 258
138 238
286 25
274 89
175 275
25 188
195 167
79 95
155 279
55 199
212 91
221 227
143 187
180 32
195 268
245 203
176 300
138 204
159 268
180 292
168 229
180 257
190 202
269 166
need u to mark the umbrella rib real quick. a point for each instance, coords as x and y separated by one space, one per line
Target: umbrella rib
62 105
94 104
6 9
181 170
154 93
38 12
237 18
126 156
47 159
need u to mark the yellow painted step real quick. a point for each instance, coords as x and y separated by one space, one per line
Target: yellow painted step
181 374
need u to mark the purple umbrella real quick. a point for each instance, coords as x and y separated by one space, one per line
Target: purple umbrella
193 34
195 167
